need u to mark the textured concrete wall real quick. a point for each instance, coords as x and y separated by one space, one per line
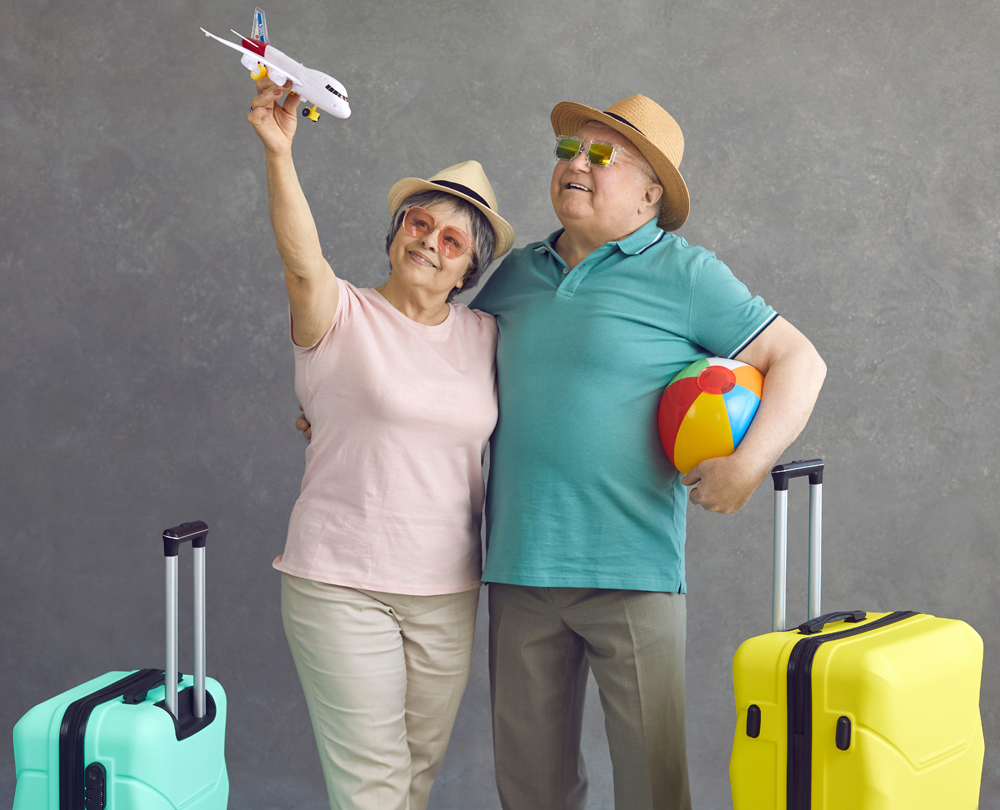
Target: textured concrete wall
842 159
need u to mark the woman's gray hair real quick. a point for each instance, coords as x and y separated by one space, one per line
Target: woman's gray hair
484 239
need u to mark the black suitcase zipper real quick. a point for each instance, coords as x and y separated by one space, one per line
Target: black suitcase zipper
800 708
74 793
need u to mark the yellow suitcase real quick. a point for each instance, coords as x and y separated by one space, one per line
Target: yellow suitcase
854 711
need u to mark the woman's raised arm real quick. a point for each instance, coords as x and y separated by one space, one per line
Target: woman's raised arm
309 279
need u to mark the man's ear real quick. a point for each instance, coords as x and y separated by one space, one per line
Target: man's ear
654 191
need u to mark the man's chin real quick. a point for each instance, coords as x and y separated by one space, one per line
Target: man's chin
573 213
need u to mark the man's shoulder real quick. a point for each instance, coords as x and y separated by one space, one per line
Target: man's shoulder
675 247
668 259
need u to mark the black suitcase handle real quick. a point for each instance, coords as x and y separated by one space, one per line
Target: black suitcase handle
783 472
816 625
196 532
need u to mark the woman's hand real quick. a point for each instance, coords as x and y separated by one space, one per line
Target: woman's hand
274 123
303 424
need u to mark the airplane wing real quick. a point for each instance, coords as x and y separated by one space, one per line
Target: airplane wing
256 56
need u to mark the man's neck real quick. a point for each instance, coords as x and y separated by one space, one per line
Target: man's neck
576 244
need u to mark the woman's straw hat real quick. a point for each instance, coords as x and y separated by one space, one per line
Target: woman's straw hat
468 181
653 131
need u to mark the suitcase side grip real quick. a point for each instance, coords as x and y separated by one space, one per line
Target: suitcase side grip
844 733
816 625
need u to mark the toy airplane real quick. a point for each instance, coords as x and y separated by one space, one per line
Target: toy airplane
262 59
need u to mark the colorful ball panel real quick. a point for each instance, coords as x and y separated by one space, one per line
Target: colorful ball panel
706 410
703 433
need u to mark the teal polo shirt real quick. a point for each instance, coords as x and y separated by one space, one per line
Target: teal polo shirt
581 493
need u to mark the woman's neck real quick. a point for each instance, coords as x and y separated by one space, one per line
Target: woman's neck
415 304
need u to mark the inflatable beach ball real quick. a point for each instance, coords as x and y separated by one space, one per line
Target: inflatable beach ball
706 409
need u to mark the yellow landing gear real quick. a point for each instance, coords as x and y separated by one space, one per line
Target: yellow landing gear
258 72
311 113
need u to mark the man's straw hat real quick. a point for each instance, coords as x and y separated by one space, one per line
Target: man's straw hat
468 181
653 131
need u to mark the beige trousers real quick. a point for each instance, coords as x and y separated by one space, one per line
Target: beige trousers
383 675
542 643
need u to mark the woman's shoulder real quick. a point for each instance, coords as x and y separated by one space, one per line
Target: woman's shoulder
364 302
476 317
475 325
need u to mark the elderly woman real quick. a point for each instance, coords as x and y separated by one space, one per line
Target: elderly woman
380 572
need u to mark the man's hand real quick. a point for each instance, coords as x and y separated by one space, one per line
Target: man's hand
793 375
722 484
304 425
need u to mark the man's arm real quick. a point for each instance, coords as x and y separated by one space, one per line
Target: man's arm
793 375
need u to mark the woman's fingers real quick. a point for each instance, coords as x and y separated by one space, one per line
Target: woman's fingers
274 123
266 98
292 100
264 84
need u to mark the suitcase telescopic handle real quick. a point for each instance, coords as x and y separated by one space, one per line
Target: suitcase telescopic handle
781 475
197 533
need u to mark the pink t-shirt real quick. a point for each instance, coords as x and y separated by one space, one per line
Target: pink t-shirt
401 412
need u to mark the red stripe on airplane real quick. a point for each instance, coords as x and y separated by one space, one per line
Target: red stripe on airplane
255 46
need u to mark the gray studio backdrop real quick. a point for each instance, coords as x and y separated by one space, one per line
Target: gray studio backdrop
842 159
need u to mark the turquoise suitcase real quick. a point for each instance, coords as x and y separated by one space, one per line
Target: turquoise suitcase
142 740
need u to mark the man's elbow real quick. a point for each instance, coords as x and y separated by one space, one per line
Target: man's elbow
816 366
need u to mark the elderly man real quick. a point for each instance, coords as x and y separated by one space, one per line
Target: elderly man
585 514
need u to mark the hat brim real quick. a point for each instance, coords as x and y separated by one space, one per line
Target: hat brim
409 186
568 117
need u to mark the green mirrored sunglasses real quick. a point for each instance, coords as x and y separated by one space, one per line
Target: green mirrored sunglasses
597 154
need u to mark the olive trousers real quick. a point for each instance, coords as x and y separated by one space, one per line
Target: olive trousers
542 642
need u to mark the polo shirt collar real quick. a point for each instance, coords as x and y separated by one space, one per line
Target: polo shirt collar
633 244
637 241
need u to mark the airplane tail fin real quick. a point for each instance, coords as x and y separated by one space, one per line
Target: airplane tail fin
259 31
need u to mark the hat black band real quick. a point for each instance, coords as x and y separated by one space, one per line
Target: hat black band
627 123
468 192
